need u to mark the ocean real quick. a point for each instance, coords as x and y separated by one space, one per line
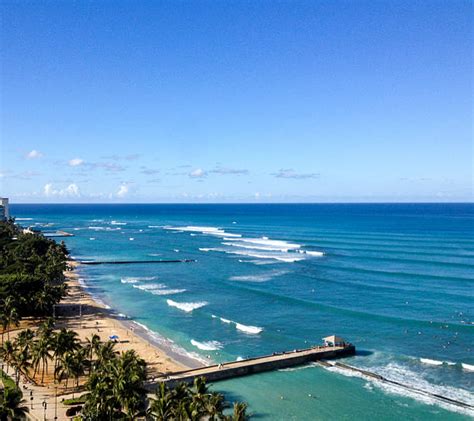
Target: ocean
394 279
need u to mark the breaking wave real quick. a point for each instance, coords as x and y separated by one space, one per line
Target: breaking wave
203 230
252 330
258 278
414 383
431 362
280 257
187 307
467 367
207 346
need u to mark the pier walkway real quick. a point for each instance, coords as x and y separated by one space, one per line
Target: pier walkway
260 364
134 262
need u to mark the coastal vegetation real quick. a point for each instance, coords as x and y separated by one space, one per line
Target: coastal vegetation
31 273
112 385
12 404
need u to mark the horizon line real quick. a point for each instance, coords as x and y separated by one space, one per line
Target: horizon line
247 203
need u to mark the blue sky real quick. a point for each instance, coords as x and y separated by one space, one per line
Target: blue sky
236 101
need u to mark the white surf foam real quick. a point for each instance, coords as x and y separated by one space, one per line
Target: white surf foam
252 330
405 376
467 367
280 257
96 228
258 278
255 247
135 279
118 223
203 230
165 291
187 307
167 342
207 346
92 238
274 244
149 287
129 280
23 219
431 362
311 253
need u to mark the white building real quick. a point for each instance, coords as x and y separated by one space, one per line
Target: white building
4 209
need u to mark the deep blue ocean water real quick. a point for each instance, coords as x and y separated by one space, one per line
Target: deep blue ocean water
396 280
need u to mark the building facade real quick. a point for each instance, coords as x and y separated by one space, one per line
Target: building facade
4 209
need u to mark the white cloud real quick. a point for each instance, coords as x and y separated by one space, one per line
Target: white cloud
75 162
49 190
197 173
34 154
72 190
123 190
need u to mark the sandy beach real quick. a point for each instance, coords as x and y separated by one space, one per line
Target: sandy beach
97 319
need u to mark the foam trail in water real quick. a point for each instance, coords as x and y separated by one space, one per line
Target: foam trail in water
170 344
411 379
467 367
135 279
167 291
118 223
431 362
203 230
252 330
269 244
258 278
150 287
288 258
187 307
207 346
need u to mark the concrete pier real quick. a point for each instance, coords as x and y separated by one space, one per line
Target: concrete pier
134 262
246 367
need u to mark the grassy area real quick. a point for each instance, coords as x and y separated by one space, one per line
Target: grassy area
80 400
7 380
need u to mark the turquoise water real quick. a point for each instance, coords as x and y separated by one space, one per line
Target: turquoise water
396 280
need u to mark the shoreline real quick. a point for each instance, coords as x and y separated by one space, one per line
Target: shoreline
99 318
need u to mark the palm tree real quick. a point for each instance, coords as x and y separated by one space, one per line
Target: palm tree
7 353
21 361
12 406
62 342
161 408
41 354
9 316
239 413
25 339
92 346
65 368
104 353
